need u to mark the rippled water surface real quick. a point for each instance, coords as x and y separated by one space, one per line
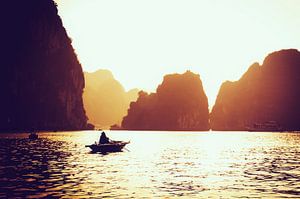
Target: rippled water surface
154 164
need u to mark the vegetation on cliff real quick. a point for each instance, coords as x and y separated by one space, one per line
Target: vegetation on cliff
267 92
41 79
178 104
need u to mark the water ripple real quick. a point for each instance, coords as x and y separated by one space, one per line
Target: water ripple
192 165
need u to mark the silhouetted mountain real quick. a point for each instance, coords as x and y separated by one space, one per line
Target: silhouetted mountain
105 100
178 104
41 79
269 92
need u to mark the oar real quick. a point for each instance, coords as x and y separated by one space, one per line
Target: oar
126 148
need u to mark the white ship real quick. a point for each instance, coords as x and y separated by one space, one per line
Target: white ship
266 126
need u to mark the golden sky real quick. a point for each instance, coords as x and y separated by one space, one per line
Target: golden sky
140 41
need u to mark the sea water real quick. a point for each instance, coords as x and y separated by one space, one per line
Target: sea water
153 165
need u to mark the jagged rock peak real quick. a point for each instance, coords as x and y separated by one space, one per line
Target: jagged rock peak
178 104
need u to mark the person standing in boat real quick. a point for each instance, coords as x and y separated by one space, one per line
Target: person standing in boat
103 138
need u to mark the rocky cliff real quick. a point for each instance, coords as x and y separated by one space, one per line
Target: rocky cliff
267 92
178 104
105 100
41 79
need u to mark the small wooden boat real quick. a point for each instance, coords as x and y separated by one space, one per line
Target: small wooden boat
113 146
33 136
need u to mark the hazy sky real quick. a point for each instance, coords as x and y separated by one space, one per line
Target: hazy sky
140 41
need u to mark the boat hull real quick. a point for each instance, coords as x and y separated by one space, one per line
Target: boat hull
110 147
33 136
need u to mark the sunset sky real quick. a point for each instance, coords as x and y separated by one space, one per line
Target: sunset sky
140 41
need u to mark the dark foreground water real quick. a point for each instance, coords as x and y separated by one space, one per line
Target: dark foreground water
155 164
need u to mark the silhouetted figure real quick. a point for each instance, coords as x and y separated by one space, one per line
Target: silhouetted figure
103 138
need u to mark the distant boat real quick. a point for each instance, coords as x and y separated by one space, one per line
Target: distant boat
268 126
33 136
113 146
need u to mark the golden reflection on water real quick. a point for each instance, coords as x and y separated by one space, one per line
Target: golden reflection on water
155 164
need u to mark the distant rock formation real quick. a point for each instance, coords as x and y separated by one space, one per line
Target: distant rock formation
178 104
105 100
41 79
269 92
